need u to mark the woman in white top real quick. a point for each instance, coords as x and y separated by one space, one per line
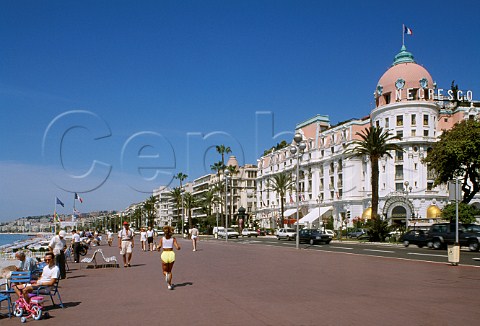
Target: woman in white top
168 255
143 239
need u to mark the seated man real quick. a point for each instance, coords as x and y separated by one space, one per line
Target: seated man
50 275
27 264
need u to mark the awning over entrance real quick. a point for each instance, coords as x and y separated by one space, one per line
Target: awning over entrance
289 212
313 215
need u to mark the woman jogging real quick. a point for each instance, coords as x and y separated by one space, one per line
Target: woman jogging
168 255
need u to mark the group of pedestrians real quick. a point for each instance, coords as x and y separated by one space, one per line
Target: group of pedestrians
165 245
146 238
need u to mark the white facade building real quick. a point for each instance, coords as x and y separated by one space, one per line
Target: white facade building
408 104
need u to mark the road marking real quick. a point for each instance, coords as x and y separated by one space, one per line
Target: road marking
346 248
417 254
385 251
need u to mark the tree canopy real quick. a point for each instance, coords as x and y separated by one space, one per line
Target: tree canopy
456 154
466 213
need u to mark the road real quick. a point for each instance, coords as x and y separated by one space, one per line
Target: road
268 282
371 249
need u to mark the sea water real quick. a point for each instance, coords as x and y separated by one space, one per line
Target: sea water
11 238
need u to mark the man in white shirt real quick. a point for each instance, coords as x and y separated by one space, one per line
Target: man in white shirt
150 234
57 245
49 277
76 245
125 243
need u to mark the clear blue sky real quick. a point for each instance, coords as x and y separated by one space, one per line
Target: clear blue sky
146 88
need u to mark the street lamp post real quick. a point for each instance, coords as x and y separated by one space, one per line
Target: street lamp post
183 213
319 201
407 190
227 172
297 148
274 220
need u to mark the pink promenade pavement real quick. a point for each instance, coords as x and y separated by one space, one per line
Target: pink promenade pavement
255 284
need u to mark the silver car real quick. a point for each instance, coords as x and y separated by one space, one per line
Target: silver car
286 233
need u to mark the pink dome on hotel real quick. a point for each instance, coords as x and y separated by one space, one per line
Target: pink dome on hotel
404 74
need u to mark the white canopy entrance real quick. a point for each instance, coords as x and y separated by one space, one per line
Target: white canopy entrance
314 214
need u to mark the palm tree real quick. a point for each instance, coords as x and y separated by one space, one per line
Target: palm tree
181 176
281 183
176 195
208 200
222 150
374 142
149 206
190 203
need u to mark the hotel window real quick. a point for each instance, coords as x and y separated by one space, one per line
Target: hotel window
413 132
425 119
400 133
398 172
425 133
429 186
399 156
414 120
387 123
399 120
399 187
387 98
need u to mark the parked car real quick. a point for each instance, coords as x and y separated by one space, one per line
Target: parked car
356 233
443 234
415 237
329 232
249 233
230 232
286 233
475 228
313 236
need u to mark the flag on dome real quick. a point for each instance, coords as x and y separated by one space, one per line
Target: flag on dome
407 30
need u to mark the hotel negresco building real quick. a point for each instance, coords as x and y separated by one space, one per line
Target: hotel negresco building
332 184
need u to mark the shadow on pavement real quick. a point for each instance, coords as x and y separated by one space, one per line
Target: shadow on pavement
183 284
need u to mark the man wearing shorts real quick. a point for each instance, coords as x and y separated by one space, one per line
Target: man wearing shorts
150 234
125 244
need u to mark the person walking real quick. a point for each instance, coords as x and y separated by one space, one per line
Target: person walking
150 234
194 235
126 243
168 255
76 245
109 237
143 239
57 245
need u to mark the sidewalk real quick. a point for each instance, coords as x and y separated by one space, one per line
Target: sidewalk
250 284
